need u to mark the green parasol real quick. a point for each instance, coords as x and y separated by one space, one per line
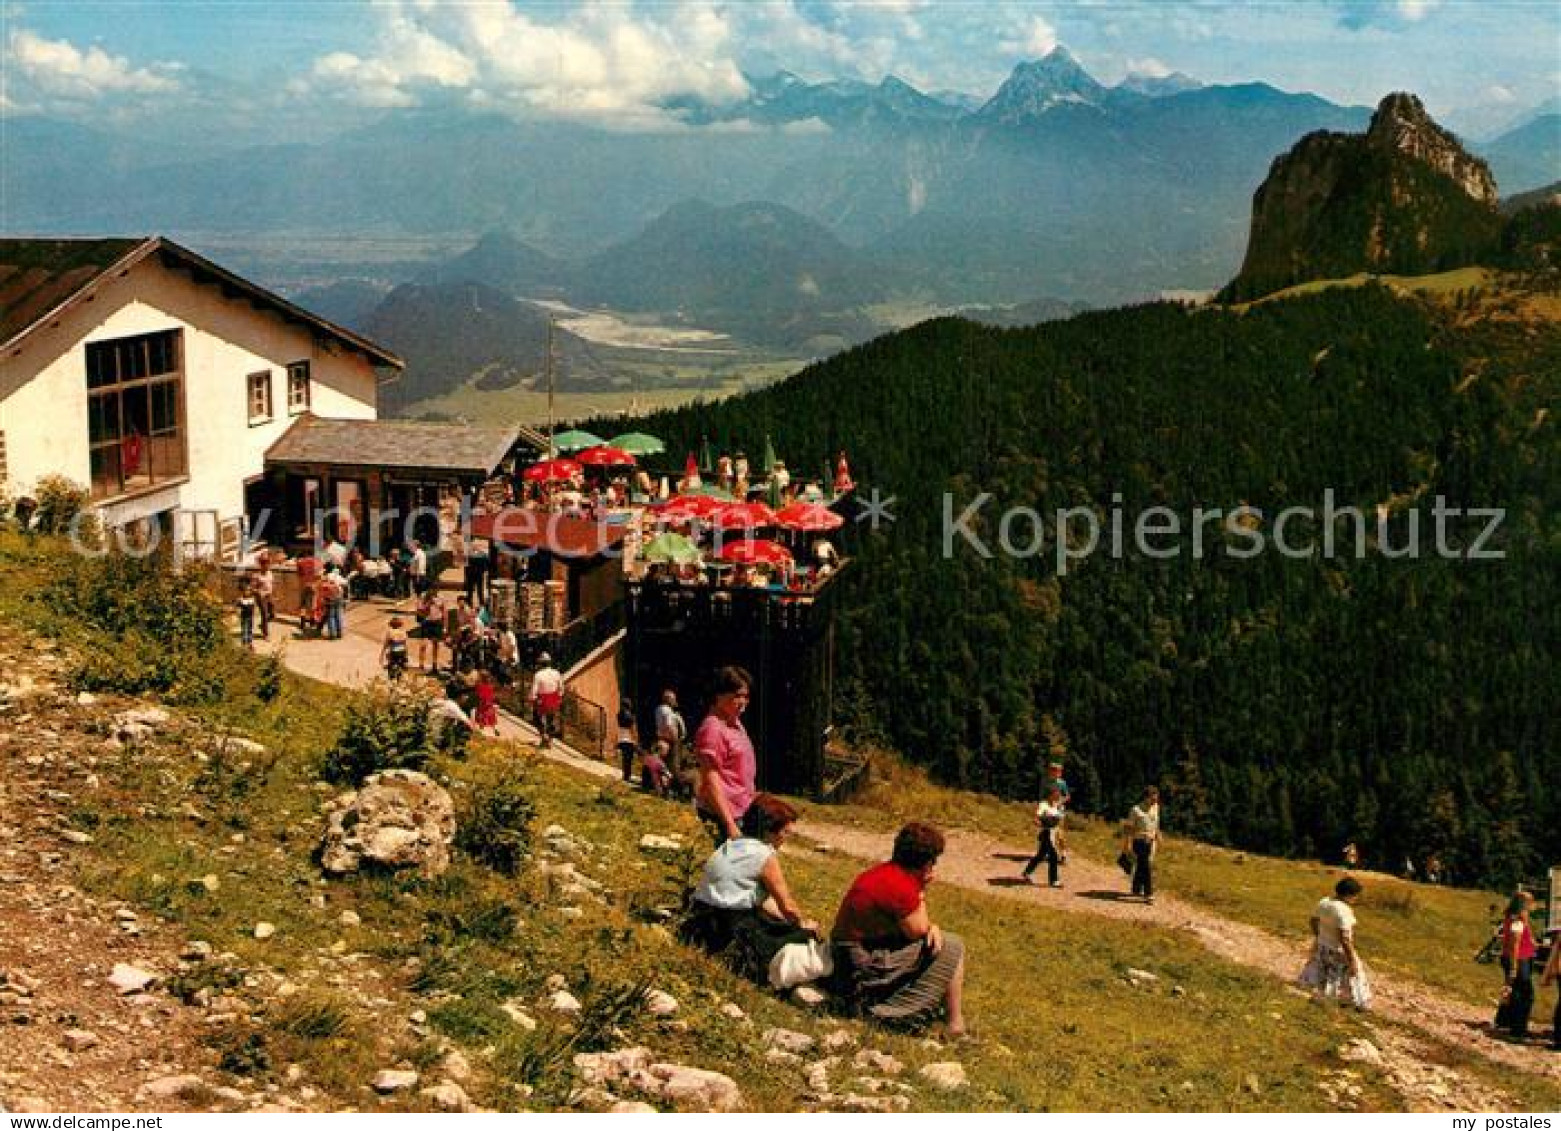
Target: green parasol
576 441
638 443
673 548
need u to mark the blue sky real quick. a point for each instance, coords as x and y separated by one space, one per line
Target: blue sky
1479 64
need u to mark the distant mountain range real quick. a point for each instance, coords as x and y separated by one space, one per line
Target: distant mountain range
778 219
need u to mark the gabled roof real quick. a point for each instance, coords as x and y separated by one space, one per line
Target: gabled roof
41 279
391 444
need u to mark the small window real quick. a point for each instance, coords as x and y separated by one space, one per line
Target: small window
260 397
298 388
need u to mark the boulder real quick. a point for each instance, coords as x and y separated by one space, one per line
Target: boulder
659 1003
398 819
605 1068
632 1107
388 1080
1360 1051
127 979
787 1039
170 1087
80 1040
447 1095
562 1001
875 1061
697 1087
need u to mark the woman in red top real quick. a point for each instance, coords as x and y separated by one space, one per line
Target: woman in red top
891 959
486 716
1517 963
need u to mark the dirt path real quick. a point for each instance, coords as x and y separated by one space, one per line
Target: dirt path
980 863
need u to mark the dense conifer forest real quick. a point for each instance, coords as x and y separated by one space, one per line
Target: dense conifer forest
1285 704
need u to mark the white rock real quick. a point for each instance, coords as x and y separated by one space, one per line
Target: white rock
264 930
129 979
781 1056
651 842
948 1075
518 1015
698 1087
809 996
632 1107
818 1074
86 699
855 1102
349 919
788 1039
170 1087
73 836
562 1001
456 1066
839 1039
1140 977
875 1061
604 1068
659 1003
733 1010
555 982
388 1080
447 1095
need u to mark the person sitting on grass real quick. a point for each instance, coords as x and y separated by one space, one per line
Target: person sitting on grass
742 907
891 960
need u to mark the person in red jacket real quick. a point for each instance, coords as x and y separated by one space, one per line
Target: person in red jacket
1517 963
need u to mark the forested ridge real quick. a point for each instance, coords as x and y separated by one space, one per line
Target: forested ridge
1285 705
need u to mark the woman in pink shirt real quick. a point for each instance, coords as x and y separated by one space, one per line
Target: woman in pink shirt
727 766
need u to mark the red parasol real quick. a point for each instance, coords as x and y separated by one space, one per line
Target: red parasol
745 516
551 471
809 517
754 551
689 506
691 472
604 456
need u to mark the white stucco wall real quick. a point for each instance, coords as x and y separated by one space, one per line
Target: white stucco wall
43 389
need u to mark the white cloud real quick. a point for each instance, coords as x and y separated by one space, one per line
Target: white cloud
1414 10
57 68
1498 94
1041 37
1149 68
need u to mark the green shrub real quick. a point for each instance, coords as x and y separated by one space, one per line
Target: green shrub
494 825
390 730
60 500
268 680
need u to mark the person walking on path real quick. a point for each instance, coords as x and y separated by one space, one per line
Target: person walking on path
246 616
486 715
1552 977
891 959
393 652
430 629
628 743
727 764
1143 837
1517 964
1335 970
263 584
671 729
547 699
1048 819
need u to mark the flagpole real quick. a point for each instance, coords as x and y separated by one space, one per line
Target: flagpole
547 365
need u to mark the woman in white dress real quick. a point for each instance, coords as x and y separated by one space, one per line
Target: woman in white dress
1335 970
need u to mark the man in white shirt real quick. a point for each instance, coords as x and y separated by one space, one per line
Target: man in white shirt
547 699
419 568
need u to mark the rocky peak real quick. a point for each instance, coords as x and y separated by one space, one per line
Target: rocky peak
1036 86
1402 125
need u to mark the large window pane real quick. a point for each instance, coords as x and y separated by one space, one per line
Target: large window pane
103 417
105 470
165 407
